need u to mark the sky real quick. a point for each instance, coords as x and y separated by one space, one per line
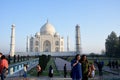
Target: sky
97 19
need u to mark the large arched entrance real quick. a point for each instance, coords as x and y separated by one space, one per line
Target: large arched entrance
46 46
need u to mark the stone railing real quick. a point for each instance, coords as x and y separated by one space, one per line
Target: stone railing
15 69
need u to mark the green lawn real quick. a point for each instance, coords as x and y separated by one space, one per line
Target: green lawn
33 71
51 62
91 59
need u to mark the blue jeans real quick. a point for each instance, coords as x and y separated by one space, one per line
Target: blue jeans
2 76
25 74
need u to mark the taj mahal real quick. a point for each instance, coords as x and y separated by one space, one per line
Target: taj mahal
47 42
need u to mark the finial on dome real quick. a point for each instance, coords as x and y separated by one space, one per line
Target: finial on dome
13 25
77 24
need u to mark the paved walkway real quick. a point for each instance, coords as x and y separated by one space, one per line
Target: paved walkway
40 78
60 64
109 77
112 71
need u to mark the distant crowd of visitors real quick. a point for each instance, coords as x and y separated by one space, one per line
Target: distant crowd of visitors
100 65
113 64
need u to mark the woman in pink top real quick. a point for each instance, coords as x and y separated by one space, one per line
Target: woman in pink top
3 67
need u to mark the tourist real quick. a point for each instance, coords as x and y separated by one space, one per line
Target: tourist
91 72
38 70
85 66
3 67
100 67
110 64
50 71
25 72
0 55
76 71
116 64
65 70
113 64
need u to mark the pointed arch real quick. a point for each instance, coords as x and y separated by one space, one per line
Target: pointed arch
46 46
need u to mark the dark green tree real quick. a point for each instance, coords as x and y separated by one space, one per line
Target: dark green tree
111 44
43 60
49 56
92 55
28 57
118 48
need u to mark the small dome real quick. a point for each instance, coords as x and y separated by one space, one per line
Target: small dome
57 34
47 28
38 34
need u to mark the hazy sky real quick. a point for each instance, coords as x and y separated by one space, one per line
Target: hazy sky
97 19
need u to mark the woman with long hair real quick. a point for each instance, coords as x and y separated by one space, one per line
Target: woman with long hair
76 72
85 67
25 72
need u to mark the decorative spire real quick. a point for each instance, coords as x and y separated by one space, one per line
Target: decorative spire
13 25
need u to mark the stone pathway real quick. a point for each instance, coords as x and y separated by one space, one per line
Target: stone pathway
107 69
60 64
40 78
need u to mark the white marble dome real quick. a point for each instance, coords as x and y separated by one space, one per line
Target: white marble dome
47 28
56 34
37 34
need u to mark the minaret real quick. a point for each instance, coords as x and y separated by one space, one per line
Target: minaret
12 44
68 45
78 44
27 44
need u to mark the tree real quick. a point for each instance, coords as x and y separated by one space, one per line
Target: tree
28 57
111 44
118 48
43 60
103 52
92 55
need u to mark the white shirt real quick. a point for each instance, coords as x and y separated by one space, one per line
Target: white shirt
25 69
